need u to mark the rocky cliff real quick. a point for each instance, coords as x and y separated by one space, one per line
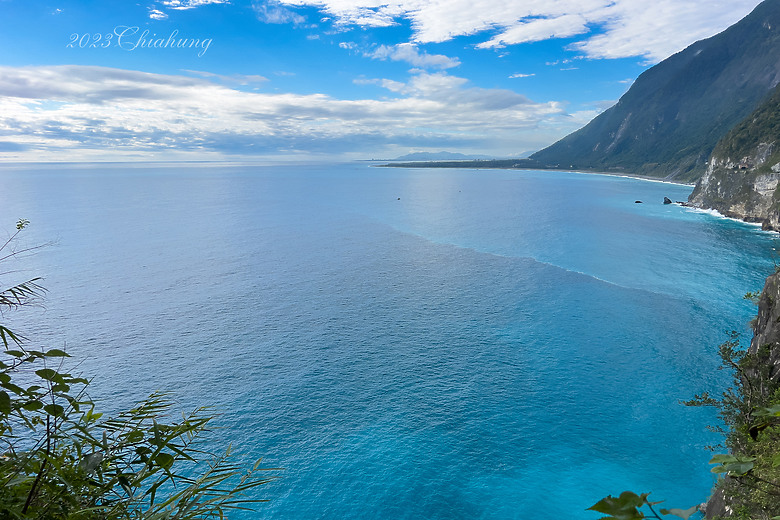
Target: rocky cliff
743 172
760 376
765 345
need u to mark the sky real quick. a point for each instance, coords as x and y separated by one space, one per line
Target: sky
109 80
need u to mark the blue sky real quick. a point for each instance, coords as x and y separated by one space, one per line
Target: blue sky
325 79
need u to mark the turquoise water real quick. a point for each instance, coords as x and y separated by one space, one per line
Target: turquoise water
421 344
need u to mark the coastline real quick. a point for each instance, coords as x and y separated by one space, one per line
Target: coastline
627 175
470 165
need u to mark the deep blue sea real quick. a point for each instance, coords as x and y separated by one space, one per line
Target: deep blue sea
407 344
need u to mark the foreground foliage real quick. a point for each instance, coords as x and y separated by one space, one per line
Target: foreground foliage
61 459
629 505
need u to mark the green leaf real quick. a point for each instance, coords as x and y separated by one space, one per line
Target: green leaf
624 507
55 352
733 465
723 457
47 373
125 483
135 436
164 460
32 406
770 411
5 403
54 409
7 334
685 514
15 353
739 468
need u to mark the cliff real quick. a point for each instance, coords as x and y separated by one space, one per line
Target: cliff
669 121
753 428
743 172
765 345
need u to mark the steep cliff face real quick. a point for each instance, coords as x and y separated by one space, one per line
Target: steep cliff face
668 122
763 372
766 332
740 191
743 172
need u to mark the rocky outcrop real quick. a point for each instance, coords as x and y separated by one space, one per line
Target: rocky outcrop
766 335
742 187
743 171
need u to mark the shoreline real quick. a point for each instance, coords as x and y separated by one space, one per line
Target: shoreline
627 175
469 165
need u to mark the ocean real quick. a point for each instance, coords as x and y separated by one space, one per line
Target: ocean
405 343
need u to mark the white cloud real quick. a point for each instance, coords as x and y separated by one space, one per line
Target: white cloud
538 29
190 4
663 30
410 54
232 79
68 112
520 75
156 14
389 84
271 11
608 28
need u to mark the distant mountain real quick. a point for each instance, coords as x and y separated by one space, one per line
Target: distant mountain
669 121
439 156
743 173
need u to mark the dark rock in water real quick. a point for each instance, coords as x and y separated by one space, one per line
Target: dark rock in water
681 203
637 202
667 200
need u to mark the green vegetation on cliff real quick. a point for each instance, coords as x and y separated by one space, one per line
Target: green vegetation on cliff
760 127
743 172
750 410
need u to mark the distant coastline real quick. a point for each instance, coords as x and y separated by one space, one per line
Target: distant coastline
521 164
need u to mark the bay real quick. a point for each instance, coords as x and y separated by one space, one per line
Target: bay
405 343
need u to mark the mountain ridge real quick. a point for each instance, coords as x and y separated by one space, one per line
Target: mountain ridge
667 124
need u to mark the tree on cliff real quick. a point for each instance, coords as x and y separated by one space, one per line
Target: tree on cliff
60 459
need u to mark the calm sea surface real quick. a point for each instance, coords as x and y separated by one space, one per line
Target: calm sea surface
407 344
